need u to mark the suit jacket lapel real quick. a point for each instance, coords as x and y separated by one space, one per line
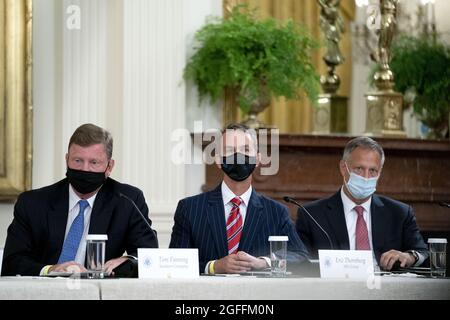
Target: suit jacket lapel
104 205
254 217
379 221
216 218
57 220
336 219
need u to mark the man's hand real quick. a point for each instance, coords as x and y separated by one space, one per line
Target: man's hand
238 263
113 263
256 263
231 264
70 266
388 259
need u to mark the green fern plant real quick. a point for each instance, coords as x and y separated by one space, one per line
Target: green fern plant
244 54
423 66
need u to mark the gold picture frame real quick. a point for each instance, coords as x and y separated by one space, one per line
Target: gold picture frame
15 97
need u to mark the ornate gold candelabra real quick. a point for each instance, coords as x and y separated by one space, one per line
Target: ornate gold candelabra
385 106
330 116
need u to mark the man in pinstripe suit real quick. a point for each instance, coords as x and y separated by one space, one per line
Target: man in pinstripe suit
230 225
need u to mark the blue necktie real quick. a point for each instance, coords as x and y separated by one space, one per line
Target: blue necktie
72 242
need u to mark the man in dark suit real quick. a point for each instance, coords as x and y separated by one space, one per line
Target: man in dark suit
50 224
356 218
230 225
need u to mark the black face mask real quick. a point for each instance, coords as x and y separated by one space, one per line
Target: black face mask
238 166
85 181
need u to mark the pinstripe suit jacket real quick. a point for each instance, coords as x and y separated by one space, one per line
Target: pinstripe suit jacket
200 223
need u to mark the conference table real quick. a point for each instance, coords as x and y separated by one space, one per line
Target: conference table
224 288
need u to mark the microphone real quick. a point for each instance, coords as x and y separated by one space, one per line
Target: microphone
142 215
129 268
444 204
291 200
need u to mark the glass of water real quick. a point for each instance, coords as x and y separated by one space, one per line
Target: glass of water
437 257
278 255
95 254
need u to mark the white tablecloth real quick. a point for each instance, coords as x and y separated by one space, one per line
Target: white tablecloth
272 289
28 288
225 288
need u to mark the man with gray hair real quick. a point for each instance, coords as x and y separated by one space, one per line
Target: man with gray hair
357 219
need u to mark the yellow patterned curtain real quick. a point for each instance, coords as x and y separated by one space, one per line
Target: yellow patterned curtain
296 116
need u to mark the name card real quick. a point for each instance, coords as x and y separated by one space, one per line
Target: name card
168 263
347 264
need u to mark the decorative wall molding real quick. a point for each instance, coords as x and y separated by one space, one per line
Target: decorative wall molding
154 103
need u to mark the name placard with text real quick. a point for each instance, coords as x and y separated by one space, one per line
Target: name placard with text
347 264
168 263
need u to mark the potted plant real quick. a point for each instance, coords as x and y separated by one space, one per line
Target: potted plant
254 59
421 67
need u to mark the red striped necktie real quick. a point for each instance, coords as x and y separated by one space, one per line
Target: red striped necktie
234 226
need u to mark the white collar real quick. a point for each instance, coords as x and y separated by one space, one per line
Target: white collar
227 195
74 198
349 205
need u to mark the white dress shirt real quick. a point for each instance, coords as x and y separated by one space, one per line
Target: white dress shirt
227 196
350 219
74 209
351 216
